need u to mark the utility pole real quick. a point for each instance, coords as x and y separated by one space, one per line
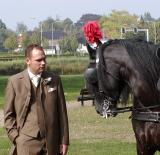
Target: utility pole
52 38
41 33
155 33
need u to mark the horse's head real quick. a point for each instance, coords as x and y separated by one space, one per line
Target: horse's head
128 65
111 77
105 81
124 64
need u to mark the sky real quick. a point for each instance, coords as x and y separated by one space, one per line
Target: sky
31 12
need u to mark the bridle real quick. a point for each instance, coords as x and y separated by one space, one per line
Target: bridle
142 114
107 111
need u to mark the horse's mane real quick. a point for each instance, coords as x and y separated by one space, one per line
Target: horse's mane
143 56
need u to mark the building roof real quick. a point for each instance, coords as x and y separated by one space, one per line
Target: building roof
58 34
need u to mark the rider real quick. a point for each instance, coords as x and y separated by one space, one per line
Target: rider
93 35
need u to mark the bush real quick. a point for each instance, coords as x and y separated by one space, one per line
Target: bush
59 64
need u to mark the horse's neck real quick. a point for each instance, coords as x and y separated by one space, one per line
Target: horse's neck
143 94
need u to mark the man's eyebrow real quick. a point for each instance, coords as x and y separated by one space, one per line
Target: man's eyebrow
40 59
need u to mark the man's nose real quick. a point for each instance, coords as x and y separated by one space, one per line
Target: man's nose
43 62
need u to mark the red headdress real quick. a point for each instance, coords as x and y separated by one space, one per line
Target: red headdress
92 32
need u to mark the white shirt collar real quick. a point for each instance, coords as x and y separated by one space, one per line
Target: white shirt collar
31 75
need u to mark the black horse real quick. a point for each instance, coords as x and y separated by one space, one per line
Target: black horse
131 66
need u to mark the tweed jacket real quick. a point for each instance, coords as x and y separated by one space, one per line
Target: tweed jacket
17 102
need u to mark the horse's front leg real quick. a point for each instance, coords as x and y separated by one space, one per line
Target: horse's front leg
143 148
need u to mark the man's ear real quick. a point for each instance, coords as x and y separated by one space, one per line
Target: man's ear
158 52
27 60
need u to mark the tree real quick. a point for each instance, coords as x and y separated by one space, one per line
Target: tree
69 44
83 19
157 32
3 33
112 24
21 28
68 25
3 36
45 43
147 17
49 24
88 17
147 22
26 40
2 25
73 43
35 38
11 42
46 24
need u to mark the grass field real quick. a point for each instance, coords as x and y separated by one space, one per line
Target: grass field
71 83
90 134
3 81
63 65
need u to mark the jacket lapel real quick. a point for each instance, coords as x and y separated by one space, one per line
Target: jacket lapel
26 80
43 86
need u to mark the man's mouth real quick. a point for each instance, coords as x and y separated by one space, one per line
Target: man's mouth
42 68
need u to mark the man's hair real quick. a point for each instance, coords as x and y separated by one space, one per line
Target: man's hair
29 49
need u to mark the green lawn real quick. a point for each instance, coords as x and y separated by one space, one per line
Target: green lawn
71 83
90 134
3 81
93 135
101 147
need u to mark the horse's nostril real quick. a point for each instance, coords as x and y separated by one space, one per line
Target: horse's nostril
99 113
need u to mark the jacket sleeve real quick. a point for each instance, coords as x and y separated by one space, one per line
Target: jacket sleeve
64 127
9 112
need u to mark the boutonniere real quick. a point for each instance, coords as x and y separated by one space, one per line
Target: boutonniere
47 81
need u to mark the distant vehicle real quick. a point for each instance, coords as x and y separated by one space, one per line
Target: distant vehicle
18 50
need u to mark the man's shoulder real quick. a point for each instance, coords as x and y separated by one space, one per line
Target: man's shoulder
17 76
50 74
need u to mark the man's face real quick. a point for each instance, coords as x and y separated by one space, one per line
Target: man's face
36 62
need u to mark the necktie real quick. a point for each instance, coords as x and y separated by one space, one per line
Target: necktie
36 80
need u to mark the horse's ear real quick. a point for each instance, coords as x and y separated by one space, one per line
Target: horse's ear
158 52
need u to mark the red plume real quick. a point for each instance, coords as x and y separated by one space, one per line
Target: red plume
92 32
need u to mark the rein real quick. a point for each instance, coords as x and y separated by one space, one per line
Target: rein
151 116
108 109
142 114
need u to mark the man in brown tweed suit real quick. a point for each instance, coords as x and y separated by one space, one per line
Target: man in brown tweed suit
35 109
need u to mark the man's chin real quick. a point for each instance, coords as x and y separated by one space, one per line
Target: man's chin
41 70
